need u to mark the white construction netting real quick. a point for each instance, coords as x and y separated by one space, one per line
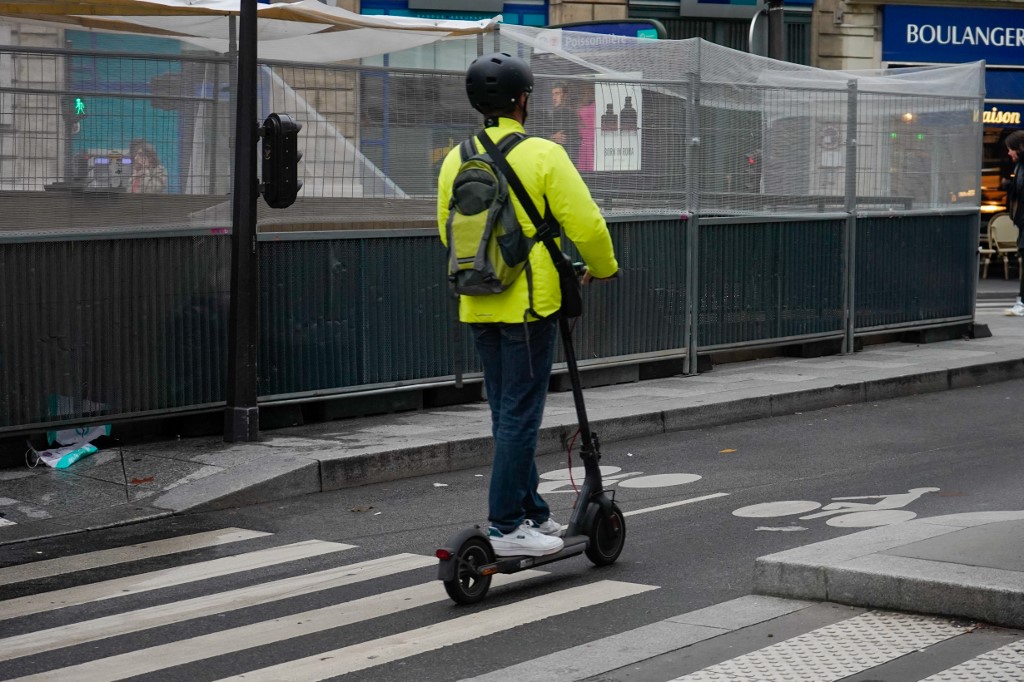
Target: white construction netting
655 127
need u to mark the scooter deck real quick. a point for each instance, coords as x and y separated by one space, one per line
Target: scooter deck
574 545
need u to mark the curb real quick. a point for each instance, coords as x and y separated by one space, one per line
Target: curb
351 470
278 478
856 570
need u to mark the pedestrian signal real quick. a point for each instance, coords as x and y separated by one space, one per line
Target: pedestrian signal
73 107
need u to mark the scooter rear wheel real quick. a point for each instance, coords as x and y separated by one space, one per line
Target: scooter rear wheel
607 533
468 586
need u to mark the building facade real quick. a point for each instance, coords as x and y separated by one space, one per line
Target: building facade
869 34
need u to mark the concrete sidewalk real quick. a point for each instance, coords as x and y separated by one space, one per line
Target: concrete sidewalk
970 567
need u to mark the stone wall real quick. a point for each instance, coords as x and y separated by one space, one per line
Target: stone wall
563 12
845 35
331 92
30 140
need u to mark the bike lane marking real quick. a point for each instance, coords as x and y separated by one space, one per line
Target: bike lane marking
669 505
846 512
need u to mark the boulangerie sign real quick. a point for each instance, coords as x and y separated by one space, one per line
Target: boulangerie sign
952 35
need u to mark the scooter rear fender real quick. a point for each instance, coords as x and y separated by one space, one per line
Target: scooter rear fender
446 567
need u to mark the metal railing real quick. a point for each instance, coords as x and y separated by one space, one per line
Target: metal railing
133 325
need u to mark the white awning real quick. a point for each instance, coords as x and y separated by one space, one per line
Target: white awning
301 31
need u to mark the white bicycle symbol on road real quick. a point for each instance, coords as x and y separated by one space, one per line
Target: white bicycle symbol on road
844 511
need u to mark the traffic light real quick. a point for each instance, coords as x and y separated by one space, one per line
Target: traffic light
73 109
751 174
281 157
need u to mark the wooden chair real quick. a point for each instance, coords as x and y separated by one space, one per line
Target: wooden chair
1004 240
986 251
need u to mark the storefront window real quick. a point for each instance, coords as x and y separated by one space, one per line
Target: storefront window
996 169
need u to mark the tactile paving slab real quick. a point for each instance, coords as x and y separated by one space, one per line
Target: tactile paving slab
1005 664
834 651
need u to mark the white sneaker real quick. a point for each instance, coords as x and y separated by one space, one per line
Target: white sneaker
549 527
1016 311
523 541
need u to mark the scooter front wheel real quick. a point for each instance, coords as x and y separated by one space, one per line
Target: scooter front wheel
468 586
607 533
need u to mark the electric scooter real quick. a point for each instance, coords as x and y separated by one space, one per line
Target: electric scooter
596 527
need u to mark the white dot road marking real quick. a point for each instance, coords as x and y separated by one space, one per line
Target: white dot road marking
659 480
770 509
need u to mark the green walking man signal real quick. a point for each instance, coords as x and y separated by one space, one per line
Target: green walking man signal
72 107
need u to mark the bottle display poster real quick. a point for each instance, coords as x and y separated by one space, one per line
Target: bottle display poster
617 129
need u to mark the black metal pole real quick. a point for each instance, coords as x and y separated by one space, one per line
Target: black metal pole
776 30
241 418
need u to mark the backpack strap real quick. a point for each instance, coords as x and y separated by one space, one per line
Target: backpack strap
507 143
546 231
498 156
466 150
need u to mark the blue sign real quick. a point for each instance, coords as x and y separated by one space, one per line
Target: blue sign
512 13
952 35
632 28
1004 84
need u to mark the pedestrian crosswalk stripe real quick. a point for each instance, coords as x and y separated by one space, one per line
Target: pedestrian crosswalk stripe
120 587
401 645
108 557
263 633
589 660
835 651
1004 663
164 614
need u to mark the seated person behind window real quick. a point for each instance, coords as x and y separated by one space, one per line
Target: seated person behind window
148 176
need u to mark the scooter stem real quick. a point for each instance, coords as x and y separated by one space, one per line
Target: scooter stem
589 446
586 437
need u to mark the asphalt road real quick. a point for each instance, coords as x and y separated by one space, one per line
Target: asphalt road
958 451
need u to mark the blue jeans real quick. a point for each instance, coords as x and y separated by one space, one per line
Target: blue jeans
516 396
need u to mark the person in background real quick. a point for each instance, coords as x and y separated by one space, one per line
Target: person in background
564 121
1015 205
148 175
515 330
587 114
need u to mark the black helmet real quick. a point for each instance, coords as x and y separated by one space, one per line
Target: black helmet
494 81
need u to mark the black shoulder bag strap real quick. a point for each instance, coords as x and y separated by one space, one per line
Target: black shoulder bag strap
572 297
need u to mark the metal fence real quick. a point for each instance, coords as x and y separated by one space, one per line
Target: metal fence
115 288
120 327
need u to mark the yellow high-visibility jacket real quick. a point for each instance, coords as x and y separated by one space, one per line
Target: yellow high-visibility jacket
545 171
